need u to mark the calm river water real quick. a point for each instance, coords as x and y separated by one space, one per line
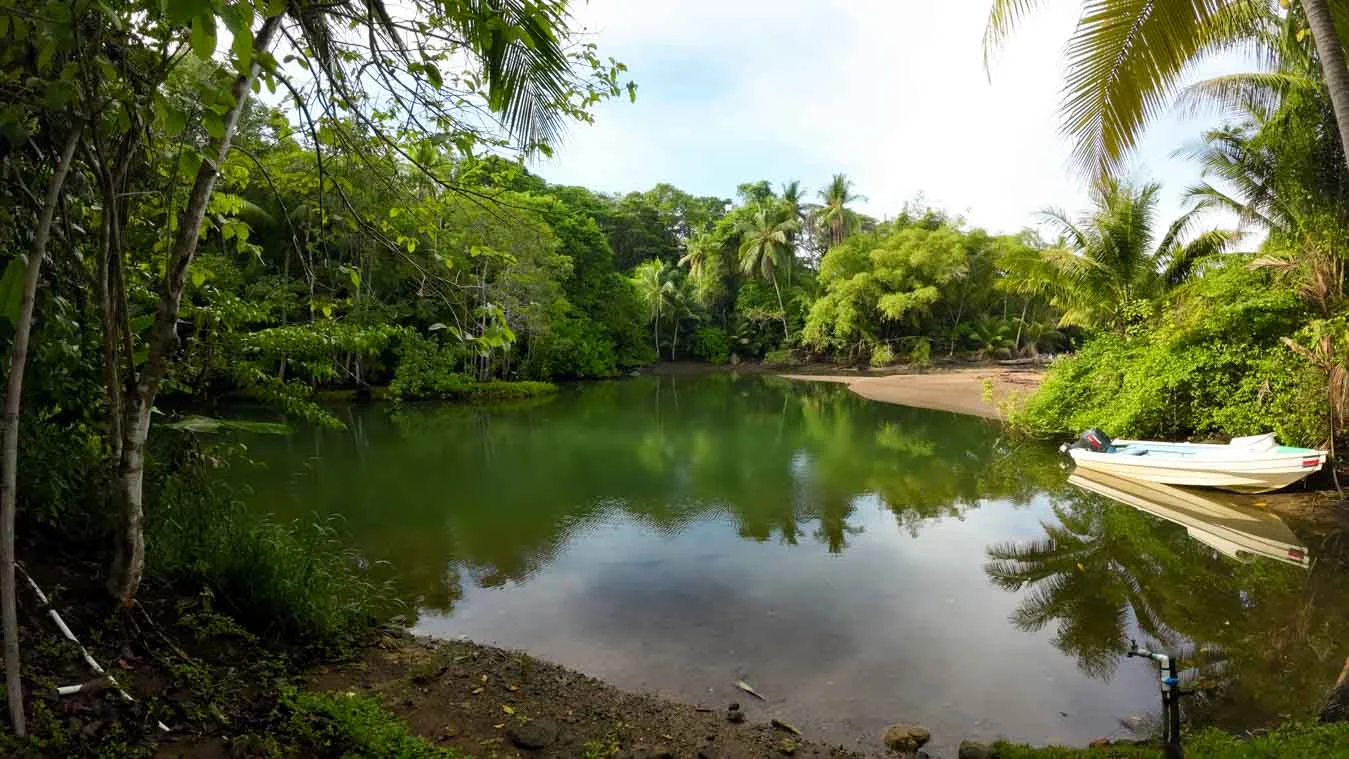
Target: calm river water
858 564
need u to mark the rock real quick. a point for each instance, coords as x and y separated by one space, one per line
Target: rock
788 746
534 733
705 754
975 750
1099 743
733 714
906 739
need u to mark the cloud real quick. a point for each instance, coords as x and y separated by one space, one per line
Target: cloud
893 93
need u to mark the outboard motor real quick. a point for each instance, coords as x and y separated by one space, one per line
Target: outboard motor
1093 440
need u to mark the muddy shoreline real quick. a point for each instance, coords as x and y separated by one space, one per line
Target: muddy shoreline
477 698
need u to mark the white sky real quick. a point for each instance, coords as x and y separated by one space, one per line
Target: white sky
892 93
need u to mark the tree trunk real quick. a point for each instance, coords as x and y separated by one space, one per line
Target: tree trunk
129 547
9 448
1019 325
674 341
785 333
1332 64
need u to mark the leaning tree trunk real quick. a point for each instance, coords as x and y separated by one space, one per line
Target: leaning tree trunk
9 447
1332 64
129 549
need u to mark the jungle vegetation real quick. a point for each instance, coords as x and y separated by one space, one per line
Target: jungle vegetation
276 198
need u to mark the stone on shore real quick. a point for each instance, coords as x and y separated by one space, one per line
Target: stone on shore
906 739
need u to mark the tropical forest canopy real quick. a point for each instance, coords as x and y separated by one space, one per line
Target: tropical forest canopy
276 198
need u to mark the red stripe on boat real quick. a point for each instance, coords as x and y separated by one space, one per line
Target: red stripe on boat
1311 462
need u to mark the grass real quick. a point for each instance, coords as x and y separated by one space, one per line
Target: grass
344 725
284 581
1292 741
466 391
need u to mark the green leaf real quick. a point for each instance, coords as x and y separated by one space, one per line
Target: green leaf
11 289
207 424
181 12
215 126
198 278
141 323
438 326
433 76
203 37
355 278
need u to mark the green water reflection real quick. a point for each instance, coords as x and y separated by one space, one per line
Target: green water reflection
875 562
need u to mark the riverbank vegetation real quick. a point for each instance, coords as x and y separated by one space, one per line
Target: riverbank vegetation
277 199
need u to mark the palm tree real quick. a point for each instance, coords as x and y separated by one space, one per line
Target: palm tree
834 216
990 335
765 244
679 304
698 253
654 288
1112 258
1126 59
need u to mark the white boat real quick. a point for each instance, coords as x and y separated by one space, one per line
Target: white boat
1222 522
1252 464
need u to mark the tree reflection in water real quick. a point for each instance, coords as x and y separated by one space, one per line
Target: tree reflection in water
1261 636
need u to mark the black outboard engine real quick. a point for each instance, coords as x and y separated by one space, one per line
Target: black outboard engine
1093 440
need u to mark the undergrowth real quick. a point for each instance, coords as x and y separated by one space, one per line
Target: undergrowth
286 581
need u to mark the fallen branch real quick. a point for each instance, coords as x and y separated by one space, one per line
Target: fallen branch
104 678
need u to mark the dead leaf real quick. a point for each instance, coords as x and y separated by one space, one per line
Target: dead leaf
507 709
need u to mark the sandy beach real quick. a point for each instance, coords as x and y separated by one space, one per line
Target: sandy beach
958 390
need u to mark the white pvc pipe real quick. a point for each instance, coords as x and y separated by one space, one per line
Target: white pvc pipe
67 690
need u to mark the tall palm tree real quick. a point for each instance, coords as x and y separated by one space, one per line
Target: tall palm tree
794 206
765 245
1127 57
834 215
654 290
1112 257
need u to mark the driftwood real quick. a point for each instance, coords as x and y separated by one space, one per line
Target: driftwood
1337 703
104 680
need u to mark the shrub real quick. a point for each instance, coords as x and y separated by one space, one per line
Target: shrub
710 344
1212 365
781 357
286 581
882 355
920 355
573 348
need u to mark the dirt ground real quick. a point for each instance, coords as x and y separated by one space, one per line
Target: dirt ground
959 390
472 697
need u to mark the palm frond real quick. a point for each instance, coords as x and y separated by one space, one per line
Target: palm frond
528 72
1002 20
1255 93
1124 62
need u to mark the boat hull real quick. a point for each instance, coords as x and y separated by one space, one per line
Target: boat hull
1240 475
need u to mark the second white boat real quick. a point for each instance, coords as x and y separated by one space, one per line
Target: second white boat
1253 464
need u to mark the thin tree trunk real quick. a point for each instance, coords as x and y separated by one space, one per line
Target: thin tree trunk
1021 324
129 547
1332 64
675 341
786 334
9 455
